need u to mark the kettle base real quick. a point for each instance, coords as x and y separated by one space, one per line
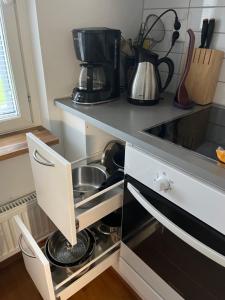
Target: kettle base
143 102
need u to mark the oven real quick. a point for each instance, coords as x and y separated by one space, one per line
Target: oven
186 253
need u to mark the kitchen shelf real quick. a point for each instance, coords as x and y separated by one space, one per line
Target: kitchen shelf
55 282
105 245
105 204
15 144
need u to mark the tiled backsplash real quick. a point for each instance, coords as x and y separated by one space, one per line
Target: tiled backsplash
191 13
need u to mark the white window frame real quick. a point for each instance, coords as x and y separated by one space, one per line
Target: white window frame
24 119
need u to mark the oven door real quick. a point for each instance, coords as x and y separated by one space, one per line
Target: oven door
186 253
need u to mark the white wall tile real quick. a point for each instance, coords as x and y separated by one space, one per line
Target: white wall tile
176 58
166 43
168 19
172 87
196 16
191 17
220 94
166 3
222 72
218 41
209 3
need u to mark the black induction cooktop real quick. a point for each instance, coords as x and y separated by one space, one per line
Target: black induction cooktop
202 132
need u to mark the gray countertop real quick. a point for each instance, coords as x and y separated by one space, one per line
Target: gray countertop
127 122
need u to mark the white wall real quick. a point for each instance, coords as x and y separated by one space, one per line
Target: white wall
191 14
55 65
56 19
15 178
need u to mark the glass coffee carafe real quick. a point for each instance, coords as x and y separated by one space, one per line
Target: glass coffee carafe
92 77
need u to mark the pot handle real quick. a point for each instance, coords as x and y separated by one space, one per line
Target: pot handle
170 65
101 230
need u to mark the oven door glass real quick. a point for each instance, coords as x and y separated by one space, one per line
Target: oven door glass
185 252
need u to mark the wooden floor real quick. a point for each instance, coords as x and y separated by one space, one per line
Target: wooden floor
15 284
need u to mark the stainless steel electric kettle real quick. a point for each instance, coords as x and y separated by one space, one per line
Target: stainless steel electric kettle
145 85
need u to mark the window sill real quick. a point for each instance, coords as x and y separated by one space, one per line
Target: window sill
15 144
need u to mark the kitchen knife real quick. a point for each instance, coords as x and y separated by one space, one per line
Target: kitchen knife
204 32
211 28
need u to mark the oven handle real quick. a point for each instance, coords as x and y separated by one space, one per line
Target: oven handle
183 235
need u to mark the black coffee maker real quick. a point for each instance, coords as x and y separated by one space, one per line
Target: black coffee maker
99 51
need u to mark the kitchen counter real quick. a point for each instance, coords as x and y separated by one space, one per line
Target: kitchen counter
127 122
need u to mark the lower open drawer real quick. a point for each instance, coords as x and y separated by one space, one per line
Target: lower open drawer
54 282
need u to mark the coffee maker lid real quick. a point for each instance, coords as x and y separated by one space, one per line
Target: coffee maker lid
94 29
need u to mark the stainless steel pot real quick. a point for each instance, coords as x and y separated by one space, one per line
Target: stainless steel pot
87 180
62 255
111 225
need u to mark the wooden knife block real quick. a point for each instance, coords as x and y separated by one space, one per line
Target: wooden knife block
203 75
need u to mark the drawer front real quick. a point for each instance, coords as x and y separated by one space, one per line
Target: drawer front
35 261
137 283
192 195
89 276
151 279
53 182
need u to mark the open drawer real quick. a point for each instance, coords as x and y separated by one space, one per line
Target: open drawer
54 187
53 282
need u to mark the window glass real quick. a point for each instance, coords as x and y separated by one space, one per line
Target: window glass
8 101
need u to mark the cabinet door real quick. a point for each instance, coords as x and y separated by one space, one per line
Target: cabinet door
53 182
35 261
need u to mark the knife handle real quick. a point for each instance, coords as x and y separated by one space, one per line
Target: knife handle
211 28
204 32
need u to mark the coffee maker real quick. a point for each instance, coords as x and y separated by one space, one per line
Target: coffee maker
99 51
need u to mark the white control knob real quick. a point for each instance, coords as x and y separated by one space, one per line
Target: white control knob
162 183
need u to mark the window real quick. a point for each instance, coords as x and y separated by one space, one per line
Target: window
14 101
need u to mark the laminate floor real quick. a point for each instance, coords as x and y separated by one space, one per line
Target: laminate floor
15 284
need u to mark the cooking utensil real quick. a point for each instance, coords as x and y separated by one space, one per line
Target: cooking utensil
111 225
87 180
119 158
156 22
156 35
117 176
210 32
62 254
112 149
204 32
182 99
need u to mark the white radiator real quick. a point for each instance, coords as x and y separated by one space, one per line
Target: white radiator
33 217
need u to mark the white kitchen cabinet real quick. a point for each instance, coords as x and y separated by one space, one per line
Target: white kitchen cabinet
54 187
55 283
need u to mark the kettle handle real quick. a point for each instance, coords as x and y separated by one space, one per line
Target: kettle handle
170 64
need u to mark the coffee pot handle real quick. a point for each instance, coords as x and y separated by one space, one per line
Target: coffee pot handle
170 64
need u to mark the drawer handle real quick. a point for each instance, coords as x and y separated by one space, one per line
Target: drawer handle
21 247
44 161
